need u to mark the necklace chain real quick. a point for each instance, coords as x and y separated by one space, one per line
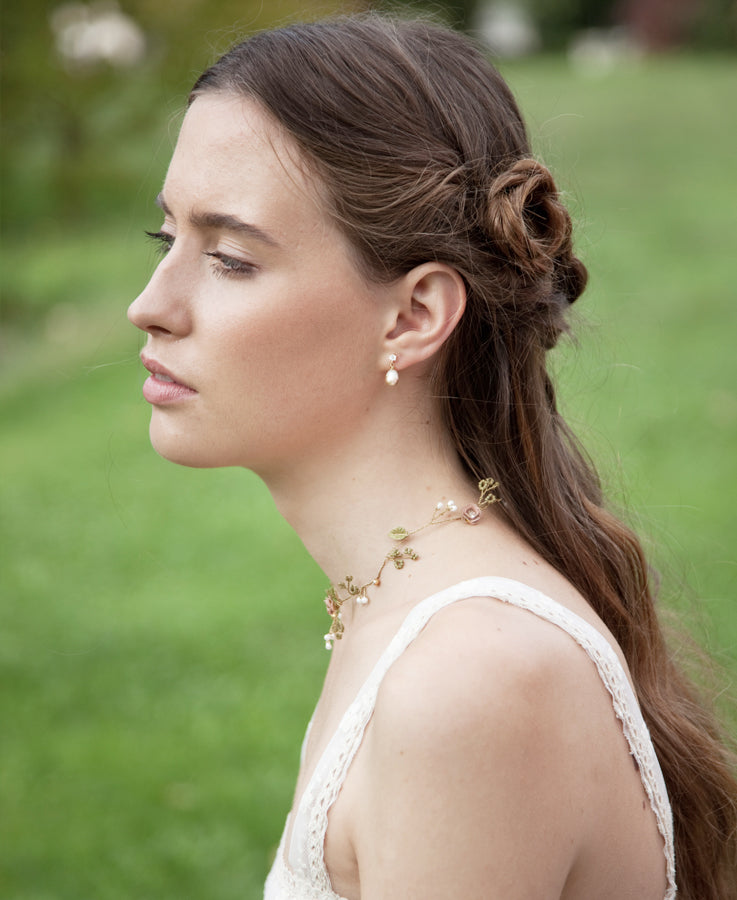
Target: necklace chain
347 589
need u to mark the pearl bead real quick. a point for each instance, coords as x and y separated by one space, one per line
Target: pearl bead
392 377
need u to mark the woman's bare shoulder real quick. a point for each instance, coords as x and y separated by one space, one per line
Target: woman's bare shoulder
482 726
482 654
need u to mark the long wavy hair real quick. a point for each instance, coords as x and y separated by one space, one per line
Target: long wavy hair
423 155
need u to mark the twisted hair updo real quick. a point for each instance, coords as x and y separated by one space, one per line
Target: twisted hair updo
530 228
422 155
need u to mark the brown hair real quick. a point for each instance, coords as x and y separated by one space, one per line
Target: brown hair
424 156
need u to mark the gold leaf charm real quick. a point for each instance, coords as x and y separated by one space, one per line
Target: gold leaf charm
487 497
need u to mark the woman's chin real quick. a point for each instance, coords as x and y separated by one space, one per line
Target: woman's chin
177 448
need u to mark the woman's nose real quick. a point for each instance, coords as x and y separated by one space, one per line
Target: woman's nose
162 307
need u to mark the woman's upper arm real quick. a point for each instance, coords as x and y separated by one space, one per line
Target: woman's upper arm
470 773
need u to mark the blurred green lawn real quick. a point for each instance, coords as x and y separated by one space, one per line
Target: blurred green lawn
160 627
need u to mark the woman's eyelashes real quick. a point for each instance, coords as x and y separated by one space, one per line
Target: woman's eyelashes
223 265
163 241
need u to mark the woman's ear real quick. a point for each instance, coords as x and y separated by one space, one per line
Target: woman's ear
431 299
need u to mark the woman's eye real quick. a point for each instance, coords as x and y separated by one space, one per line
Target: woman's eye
224 265
162 240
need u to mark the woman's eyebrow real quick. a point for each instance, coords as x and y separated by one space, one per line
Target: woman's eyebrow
222 221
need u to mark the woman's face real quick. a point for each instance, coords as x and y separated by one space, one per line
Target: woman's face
264 341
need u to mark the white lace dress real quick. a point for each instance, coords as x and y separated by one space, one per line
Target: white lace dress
299 871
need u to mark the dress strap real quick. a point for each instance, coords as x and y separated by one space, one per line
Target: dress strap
311 818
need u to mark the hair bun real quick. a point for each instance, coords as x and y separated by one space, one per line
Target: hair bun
530 227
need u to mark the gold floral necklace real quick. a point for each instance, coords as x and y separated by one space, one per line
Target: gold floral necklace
335 597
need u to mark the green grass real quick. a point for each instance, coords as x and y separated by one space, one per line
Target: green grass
160 627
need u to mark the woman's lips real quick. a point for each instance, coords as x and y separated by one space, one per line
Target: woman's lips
162 386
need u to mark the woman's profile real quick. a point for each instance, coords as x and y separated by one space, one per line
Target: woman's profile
364 269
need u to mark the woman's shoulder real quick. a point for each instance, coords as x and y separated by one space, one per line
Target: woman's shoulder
479 658
492 723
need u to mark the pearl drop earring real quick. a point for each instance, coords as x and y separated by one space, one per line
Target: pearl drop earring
392 376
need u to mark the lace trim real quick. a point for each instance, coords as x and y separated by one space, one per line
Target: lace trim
284 884
321 792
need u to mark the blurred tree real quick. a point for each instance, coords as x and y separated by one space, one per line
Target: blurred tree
654 24
559 19
458 13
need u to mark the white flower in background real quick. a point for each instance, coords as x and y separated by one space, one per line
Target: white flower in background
88 34
506 28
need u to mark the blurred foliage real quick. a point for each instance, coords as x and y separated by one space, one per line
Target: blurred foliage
705 23
458 13
558 19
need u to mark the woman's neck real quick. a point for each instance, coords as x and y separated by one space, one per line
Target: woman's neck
343 505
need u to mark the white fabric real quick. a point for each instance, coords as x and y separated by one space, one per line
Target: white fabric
300 873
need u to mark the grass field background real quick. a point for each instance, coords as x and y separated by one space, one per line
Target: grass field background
160 627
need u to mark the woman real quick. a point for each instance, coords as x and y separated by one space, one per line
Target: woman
364 269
